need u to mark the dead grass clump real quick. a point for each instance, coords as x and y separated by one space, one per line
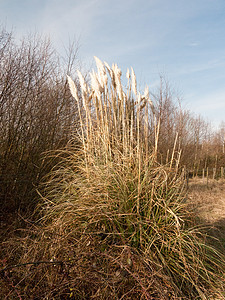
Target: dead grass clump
113 219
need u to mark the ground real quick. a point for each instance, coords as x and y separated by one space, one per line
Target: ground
208 201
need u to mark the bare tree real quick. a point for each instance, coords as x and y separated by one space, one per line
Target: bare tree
37 113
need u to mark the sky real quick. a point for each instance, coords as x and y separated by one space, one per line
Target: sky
184 41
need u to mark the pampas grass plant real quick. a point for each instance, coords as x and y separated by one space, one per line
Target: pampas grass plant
114 222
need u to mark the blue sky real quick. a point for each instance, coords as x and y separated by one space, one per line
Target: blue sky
182 40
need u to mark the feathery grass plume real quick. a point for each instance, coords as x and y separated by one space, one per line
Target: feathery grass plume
73 88
116 213
134 81
101 72
74 93
95 84
83 86
117 76
128 74
107 67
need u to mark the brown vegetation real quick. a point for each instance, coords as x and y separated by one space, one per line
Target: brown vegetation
208 202
37 114
108 217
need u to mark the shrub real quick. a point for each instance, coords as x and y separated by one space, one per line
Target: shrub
37 114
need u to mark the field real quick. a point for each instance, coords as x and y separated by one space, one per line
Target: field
208 203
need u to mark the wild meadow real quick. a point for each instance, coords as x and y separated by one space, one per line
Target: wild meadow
108 213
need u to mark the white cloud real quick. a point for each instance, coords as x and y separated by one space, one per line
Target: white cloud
194 67
193 44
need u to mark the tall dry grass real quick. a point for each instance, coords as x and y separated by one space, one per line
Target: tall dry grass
114 223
